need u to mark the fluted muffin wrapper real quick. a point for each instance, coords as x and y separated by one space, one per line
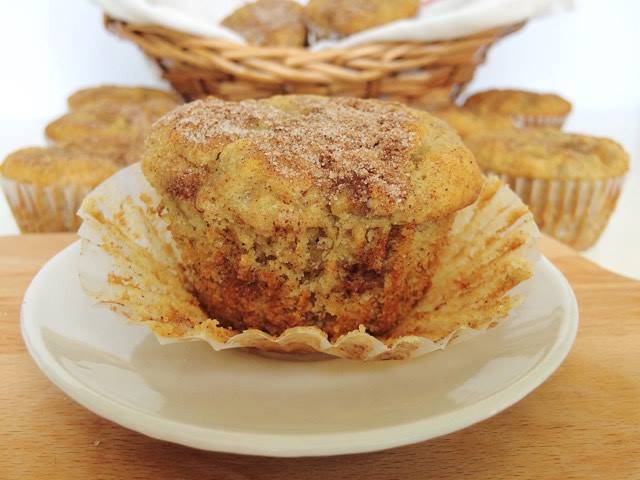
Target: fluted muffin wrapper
130 263
551 121
42 209
575 212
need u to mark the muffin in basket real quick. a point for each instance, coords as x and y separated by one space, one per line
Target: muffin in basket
119 94
109 127
358 228
341 18
528 109
45 186
272 23
570 182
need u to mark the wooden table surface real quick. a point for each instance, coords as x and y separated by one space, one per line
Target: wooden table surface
583 423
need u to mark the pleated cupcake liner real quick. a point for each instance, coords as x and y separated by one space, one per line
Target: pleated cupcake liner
42 209
575 212
523 121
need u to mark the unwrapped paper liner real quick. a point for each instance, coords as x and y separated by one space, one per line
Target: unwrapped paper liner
437 20
130 264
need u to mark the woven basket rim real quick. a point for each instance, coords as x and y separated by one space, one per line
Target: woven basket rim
151 29
197 66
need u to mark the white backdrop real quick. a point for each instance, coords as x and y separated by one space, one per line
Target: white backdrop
49 48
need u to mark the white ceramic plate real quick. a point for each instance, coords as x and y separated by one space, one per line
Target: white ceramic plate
237 401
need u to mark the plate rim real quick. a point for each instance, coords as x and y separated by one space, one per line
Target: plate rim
296 444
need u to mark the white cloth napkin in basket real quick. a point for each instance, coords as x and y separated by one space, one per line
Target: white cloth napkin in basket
437 20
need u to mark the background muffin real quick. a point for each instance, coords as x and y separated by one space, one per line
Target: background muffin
467 122
340 18
273 23
436 98
528 109
305 210
45 186
119 94
104 131
108 128
570 182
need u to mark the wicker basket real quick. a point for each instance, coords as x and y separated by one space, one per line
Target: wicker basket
414 72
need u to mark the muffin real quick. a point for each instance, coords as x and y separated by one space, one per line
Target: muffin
270 23
467 122
341 18
359 228
314 226
108 128
45 186
119 94
528 109
437 98
570 182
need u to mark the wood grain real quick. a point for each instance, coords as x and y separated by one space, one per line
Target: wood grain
583 423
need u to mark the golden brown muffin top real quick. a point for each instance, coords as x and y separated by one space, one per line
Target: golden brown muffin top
57 166
274 23
345 17
358 155
108 128
518 102
119 94
467 122
549 153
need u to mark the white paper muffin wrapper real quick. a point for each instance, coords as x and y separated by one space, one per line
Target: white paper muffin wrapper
41 209
523 121
130 264
573 211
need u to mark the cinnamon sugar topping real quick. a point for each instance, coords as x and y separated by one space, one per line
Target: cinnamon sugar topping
345 143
